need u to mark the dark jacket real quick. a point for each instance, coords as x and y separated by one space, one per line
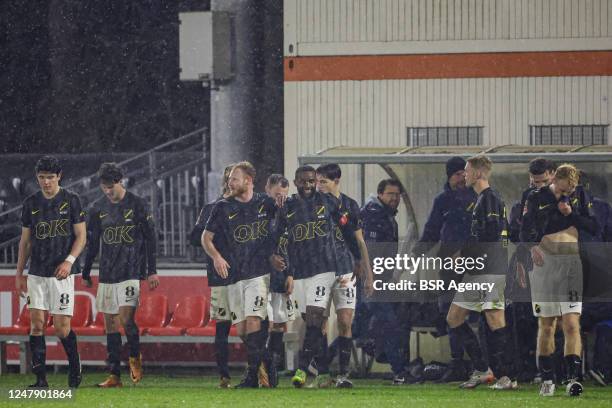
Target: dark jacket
379 224
603 214
449 222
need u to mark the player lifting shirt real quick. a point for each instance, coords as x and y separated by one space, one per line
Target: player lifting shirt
553 217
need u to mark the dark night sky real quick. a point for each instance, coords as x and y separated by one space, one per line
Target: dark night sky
94 76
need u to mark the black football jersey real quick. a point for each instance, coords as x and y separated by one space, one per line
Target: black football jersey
279 278
489 233
310 224
347 248
125 232
50 222
541 215
219 241
245 228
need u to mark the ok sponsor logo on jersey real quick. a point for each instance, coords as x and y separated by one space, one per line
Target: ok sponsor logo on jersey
251 232
52 229
309 230
119 234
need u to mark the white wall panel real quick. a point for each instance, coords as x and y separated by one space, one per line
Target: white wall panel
329 25
325 114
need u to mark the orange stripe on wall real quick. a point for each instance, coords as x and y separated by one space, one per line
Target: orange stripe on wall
476 65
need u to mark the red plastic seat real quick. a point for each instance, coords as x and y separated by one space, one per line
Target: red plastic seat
22 326
81 316
95 329
208 331
152 312
189 312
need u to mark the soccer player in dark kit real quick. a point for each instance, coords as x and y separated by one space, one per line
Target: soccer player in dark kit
488 241
553 218
244 220
352 261
282 308
310 218
219 301
122 225
52 237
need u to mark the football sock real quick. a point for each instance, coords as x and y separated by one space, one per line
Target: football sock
255 347
573 364
322 358
70 346
546 367
113 347
38 347
133 339
275 343
312 343
500 353
456 347
222 347
344 354
466 336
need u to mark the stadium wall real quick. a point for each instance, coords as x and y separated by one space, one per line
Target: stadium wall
362 72
175 284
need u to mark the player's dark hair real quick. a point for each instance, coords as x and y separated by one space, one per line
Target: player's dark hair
48 164
276 178
110 173
303 169
330 171
388 182
247 168
541 165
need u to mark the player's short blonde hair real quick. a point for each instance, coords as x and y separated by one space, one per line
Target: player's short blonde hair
247 168
226 174
481 163
568 172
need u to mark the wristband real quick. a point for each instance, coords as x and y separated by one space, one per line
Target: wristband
71 259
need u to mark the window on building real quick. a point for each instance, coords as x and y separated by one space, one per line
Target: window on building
568 135
445 136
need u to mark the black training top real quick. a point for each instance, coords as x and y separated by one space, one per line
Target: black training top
52 236
126 232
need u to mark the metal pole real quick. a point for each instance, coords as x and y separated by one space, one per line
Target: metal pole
153 188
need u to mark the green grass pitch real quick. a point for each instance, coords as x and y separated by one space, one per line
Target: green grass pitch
157 390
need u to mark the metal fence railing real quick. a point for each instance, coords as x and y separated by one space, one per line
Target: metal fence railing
171 176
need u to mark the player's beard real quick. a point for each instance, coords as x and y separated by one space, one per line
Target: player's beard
239 190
